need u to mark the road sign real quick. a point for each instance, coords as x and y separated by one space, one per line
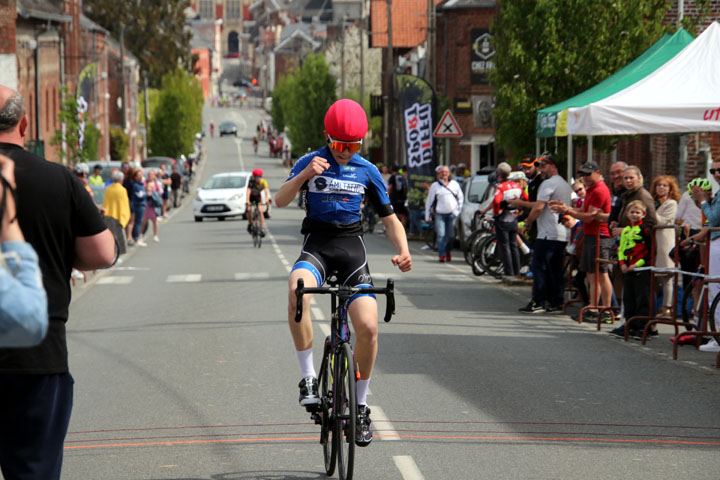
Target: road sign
447 127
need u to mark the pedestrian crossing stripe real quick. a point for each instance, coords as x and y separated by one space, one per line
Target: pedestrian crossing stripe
115 280
189 278
252 276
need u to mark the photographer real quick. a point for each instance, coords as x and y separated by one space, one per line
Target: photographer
23 303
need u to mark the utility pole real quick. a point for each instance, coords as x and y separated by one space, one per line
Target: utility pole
362 60
122 67
147 115
342 58
430 53
389 72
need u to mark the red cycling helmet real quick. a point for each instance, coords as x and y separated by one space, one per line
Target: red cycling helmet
346 121
257 172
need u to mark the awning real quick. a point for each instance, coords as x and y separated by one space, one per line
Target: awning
477 139
683 95
552 121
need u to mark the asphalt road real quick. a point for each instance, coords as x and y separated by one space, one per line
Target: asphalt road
185 369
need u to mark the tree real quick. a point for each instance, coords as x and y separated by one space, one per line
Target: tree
153 30
75 132
177 116
279 96
310 93
119 144
550 50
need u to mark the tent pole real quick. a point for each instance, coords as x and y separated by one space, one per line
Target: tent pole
590 147
570 158
537 147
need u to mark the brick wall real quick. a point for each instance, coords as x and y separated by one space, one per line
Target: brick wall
8 14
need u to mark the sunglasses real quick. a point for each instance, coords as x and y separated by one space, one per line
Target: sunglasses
341 146
713 171
578 190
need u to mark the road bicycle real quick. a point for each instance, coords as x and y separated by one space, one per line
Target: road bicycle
337 412
368 218
255 230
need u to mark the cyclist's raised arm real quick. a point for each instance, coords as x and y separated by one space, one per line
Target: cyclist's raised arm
396 234
304 170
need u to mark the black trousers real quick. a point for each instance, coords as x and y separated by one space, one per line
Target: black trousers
34 418
636 296
506 233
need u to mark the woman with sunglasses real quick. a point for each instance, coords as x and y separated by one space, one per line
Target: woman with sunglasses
23 303
334 180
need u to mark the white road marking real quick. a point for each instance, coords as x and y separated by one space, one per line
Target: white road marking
324 328
408 468
385 429
115 280
252 276
453 277
317 314
238 143
189 278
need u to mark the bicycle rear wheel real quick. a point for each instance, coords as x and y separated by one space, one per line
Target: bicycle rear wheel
345 411
327 437
711 317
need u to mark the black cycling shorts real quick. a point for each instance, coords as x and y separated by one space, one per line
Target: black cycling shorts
322 255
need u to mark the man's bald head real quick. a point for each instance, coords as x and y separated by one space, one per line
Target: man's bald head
12 109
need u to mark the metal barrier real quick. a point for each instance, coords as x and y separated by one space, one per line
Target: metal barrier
594 305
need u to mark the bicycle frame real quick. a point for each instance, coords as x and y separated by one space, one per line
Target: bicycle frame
338 407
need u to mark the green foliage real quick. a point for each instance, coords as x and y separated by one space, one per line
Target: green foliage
154 31
304 101
91 135
178 115
153 97
119 144
90 143
550 50
279 96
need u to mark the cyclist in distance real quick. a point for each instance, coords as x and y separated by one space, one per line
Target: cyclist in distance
333 181
256 186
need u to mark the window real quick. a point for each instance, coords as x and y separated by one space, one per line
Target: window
206 9
234 9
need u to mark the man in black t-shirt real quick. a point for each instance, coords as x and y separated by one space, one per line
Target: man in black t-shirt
176 181
397 191
61 222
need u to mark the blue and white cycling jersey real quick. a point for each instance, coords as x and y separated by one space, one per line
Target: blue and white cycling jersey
333 198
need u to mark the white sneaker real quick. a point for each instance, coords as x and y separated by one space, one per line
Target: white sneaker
140 243
711 346
156 239
131 242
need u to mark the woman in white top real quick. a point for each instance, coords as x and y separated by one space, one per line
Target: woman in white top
665 192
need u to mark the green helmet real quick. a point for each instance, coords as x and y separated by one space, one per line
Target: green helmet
703 183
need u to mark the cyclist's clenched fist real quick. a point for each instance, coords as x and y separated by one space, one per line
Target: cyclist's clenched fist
316 167
403 262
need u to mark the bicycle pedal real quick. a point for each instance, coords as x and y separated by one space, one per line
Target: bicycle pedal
316 418
312 410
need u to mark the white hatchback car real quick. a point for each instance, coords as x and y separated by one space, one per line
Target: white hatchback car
222 196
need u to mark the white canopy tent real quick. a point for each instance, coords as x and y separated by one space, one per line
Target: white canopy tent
681 96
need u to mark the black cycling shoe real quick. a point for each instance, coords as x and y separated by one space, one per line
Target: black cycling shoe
309 392
249 227
262 233
364 430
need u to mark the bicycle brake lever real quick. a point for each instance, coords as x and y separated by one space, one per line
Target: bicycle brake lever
390 306
299 295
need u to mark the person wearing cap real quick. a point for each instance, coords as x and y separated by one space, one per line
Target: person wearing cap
596 204
443 205
334 180
528 164
506 223
552 237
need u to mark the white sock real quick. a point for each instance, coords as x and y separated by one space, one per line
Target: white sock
361 389
524 249
305 358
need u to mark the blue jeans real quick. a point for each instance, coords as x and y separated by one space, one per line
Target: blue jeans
416 221
137 209
445 231
547 269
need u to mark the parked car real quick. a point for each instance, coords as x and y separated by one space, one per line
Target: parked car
155 162
477 191
228 128
222 196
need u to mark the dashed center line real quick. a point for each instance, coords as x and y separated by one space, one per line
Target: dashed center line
188 278
252 276
408 468
115 280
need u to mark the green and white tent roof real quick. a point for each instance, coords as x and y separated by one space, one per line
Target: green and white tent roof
682 95
553 120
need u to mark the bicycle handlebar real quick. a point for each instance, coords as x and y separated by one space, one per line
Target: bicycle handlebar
388 291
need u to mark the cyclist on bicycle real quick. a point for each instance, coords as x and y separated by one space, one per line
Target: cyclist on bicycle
333 181
256 187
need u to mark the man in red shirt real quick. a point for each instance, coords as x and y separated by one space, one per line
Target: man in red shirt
597 202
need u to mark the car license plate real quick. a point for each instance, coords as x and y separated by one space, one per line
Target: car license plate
215 208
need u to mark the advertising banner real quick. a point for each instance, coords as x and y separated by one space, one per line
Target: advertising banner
416 103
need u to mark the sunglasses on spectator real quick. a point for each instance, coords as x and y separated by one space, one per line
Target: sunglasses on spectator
341 146
578 190
713 171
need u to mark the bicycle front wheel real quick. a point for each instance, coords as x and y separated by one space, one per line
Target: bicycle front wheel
345 411
327 437
711 317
